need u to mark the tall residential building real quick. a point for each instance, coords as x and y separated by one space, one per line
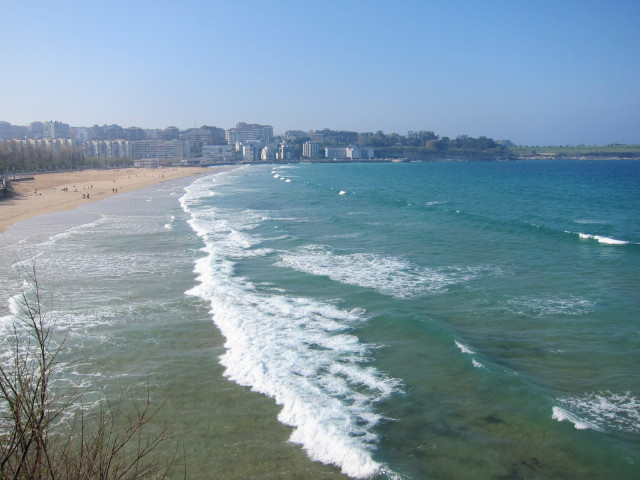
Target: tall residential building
36 130
310 149
249 153
268 154
55 130
245 132
287 152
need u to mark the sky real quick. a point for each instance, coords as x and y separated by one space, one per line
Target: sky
558 72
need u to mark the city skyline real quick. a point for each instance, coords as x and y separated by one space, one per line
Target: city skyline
536 74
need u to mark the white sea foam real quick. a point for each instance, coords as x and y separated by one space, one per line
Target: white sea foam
464 349
388 275
299 351
285 167
560 414
231 232
476 363
603 411
78 230
467 351
603 240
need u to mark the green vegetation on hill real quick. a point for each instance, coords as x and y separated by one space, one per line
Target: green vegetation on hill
579 151
422 145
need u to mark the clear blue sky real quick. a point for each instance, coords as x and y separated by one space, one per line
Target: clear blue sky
535 72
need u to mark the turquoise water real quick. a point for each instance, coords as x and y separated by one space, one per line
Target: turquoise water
418 320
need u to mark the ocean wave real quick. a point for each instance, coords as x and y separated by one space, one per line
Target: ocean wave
298 351
464 349
301 353
391 276
561 415
229 232
602 239
476 363
285 167
467 351
77 230
601 411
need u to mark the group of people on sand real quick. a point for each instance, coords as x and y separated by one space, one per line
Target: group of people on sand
66 189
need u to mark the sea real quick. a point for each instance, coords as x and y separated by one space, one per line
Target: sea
451 320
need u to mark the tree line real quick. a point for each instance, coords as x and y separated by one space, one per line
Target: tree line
17 158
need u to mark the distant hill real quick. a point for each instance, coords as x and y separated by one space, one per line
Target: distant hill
582 152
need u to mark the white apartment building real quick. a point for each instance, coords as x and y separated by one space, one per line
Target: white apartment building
55 130
216 153
353 153
245 132
49 143
106 149
311 149
160 149
335 152
357 152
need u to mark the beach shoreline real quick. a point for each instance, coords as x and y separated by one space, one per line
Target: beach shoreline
53 192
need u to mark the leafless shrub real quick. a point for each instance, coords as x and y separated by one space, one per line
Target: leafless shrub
35 443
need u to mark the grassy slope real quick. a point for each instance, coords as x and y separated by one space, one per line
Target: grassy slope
626 151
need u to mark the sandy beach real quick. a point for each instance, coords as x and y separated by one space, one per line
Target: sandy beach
51 192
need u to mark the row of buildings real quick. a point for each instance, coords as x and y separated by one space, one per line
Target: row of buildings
163 150
173 151
204 145
255 143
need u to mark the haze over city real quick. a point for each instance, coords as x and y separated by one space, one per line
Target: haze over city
536 73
